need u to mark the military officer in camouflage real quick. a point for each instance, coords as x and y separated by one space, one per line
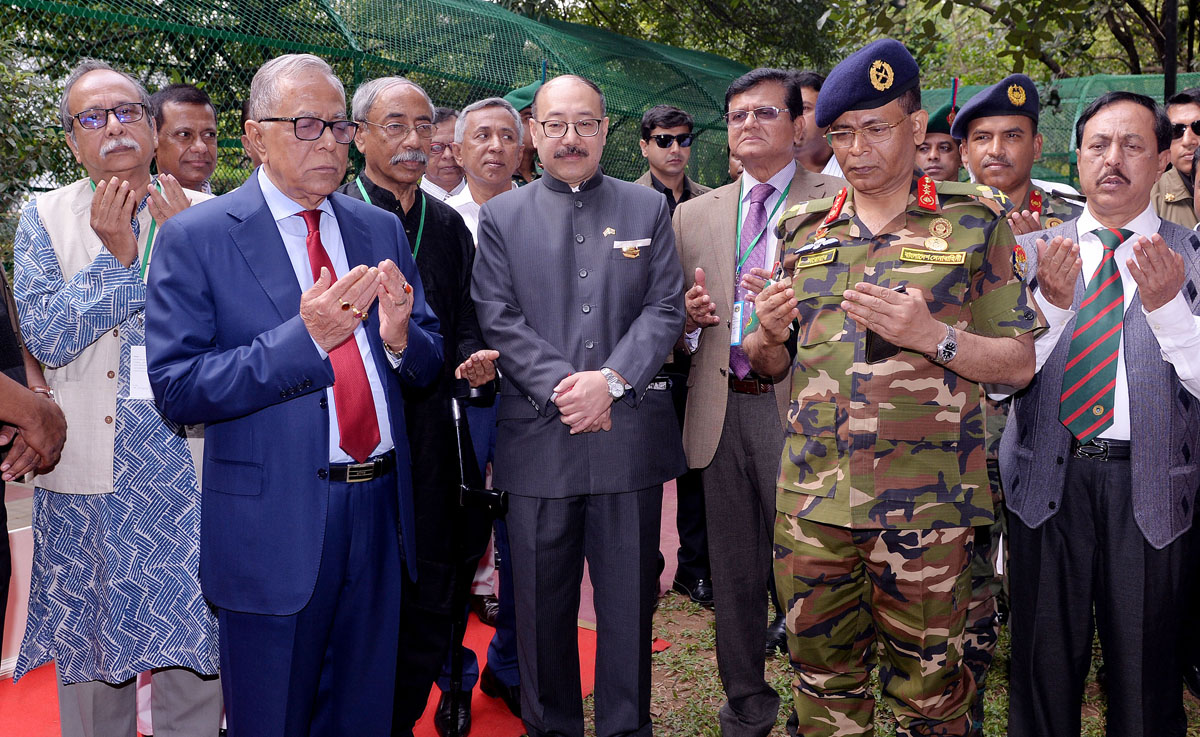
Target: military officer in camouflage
896 301
998 128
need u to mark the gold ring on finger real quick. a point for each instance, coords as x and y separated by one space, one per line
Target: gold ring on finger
345 305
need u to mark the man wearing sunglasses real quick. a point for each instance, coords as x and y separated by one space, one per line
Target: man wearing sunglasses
667 145
734 424
577 284
1173 194
288 318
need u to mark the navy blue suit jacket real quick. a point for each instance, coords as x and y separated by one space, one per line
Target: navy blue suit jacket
226 347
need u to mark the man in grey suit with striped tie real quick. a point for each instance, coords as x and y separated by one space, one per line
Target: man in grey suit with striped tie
1099 457
577 284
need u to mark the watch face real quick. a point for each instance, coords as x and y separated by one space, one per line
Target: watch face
616 390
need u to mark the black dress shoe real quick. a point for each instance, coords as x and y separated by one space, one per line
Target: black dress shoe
700 592
777 636
453 715
492 686
1191 678
486 607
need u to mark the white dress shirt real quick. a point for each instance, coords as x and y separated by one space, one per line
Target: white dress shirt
438 193
294 232
464 204
1174 326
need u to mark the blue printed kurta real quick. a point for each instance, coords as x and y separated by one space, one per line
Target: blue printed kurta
115 586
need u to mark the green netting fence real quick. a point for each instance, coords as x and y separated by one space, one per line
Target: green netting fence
1062 102
458 50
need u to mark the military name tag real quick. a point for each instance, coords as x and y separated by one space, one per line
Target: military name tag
932 257
816 259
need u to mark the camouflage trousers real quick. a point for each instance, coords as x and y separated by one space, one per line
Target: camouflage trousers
987 590
855 597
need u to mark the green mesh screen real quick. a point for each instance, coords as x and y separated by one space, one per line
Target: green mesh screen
1062 102
458 50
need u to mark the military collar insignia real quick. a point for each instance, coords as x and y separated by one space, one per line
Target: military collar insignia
927 193
1035 202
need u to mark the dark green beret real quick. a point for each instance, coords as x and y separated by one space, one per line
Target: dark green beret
522 97
869 78
941 119
1016 94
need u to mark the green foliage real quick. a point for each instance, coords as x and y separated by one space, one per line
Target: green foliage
774 33
30 141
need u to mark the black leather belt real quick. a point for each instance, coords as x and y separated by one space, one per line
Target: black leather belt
368 470
1099 449
750 385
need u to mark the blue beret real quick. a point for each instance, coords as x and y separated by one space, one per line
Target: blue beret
1016 94
869 78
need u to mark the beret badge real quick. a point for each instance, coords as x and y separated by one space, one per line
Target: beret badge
881 75
1016 94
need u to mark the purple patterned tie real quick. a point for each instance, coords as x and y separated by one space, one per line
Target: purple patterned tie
754 224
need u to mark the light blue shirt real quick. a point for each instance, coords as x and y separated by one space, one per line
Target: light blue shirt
294 232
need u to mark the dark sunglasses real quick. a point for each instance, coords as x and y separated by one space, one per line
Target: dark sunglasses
1178 129
684 140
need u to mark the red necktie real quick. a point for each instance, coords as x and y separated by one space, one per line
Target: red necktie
357 423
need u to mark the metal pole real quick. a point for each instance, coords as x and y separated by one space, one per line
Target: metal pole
1170 45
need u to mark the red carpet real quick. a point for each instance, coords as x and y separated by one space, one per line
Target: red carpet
30 708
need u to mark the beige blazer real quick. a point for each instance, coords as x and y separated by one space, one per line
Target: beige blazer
704 237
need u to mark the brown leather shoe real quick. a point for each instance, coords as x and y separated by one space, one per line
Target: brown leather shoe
486 607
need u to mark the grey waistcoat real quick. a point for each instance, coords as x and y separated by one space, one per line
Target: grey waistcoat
1164 421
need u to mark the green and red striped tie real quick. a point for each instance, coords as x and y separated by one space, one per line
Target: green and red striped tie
1090 378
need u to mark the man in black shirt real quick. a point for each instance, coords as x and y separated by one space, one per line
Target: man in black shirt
395 119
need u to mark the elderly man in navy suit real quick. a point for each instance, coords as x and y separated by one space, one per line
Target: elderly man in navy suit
1099 455
286 317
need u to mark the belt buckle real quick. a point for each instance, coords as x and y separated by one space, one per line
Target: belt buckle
1095 449
359 472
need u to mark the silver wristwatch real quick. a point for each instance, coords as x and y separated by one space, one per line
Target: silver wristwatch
616 387
947 349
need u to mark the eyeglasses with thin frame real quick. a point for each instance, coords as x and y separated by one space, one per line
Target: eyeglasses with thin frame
664 140
96 118
310 129
586 127
765 114
874 133
437 149
400 131
1178 129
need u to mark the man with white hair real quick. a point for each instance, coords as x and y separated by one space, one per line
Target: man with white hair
394 116
114 588
288 317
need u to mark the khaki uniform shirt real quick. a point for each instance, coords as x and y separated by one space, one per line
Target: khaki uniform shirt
897 444
1172 200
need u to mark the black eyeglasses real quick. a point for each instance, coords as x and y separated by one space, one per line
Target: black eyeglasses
127 112
586 128
310 129
1178 129
664 140
762 114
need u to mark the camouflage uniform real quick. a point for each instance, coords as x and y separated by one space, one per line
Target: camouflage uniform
884 471
987 589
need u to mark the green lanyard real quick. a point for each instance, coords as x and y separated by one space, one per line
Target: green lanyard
420 228
738 235
149 233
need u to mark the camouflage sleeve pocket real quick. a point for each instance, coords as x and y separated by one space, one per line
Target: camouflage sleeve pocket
1004 312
